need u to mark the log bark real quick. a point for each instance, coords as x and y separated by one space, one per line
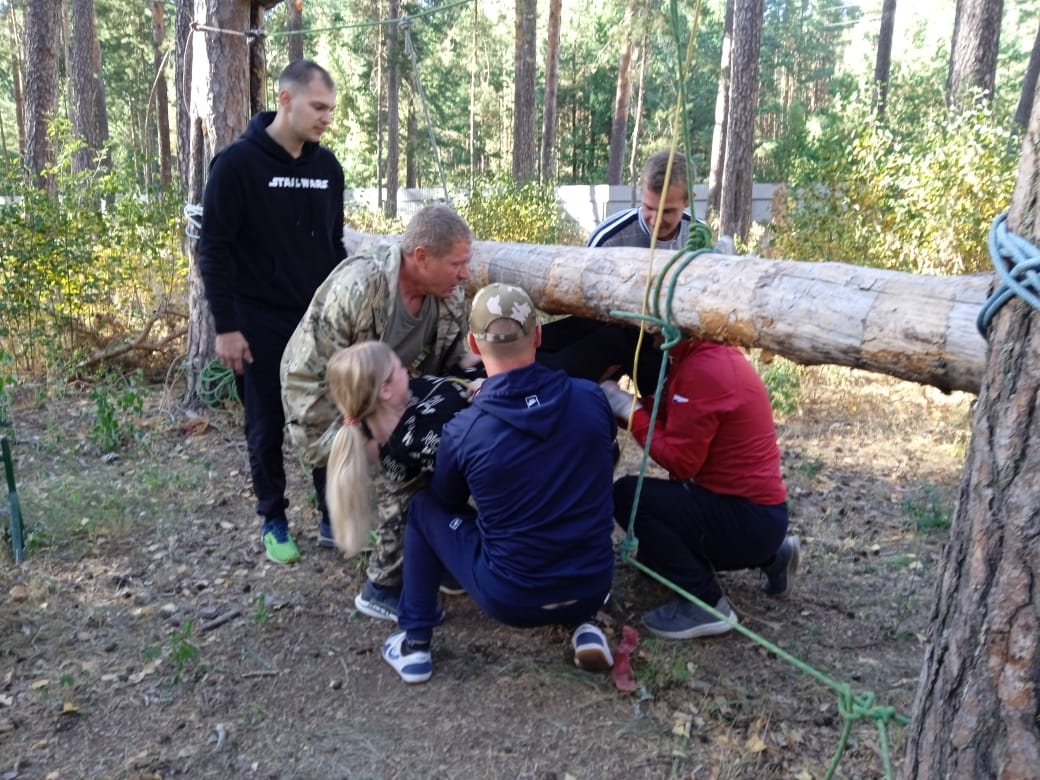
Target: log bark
915 327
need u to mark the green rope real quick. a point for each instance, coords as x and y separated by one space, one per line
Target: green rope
217 385
851 706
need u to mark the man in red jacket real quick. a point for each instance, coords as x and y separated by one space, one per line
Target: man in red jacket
724 505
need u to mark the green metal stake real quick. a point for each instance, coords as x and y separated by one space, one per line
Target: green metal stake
12 498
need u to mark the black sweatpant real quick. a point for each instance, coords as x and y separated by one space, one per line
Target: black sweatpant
687 533
268 331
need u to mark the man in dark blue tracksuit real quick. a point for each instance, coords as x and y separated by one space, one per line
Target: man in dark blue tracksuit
535 452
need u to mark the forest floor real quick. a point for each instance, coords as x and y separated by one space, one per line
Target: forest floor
147 636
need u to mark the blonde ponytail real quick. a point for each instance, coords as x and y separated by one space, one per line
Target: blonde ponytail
354 376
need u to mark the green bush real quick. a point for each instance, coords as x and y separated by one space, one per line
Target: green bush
87 269
913 193
502 210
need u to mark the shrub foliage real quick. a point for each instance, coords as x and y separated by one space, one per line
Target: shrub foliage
912 194
86 270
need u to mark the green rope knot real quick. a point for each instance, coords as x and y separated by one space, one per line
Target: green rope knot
628 547
700 236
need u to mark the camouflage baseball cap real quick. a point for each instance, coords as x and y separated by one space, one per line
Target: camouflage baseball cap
497 302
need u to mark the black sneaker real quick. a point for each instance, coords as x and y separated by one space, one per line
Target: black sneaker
378 602
325 537
778 577
682 619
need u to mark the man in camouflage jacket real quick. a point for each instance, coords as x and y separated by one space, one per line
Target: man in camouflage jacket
409 294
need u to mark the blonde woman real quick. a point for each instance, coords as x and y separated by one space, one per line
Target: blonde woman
382 454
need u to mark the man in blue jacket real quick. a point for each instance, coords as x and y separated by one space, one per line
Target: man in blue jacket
535 451
272 230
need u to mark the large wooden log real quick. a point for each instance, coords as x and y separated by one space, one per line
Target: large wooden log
915 327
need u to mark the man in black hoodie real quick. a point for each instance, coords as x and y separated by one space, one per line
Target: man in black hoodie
272 230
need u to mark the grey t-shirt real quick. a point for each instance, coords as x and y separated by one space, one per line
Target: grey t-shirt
411 337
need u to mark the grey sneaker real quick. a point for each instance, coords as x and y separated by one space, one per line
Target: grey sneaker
778 577
378 602
325 537
682 619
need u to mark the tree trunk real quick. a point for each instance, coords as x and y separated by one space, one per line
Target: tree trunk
257 61
219 113
883 63
1025 99
42 39
17 80
637 124
524 114
973 52
975 714
182 91
552 83
622 96
735 201
411 147
718 137
162 100
294 24
393 122
89 113
919 328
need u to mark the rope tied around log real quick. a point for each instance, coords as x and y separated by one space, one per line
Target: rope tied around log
1016 262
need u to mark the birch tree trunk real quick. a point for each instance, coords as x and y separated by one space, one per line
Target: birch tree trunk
976 709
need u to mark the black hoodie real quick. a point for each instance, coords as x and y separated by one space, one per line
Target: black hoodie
272 225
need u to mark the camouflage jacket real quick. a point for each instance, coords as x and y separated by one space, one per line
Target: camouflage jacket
355 303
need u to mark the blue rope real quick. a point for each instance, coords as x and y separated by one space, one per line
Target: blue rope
1016 262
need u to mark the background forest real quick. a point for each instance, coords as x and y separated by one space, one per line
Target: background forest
897 144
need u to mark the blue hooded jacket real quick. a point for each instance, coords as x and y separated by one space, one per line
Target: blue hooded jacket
535 451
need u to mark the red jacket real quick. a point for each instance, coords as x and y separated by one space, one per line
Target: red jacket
715 424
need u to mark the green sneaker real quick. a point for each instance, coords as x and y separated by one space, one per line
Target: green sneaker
279 546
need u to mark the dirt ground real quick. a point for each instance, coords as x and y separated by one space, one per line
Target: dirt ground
146 636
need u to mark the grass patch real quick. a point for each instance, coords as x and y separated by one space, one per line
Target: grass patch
67 507
926 511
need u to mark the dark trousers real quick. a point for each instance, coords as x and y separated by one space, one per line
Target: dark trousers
687 533
437 540
590 349
259 387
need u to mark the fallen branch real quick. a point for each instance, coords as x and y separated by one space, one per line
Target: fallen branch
220 620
